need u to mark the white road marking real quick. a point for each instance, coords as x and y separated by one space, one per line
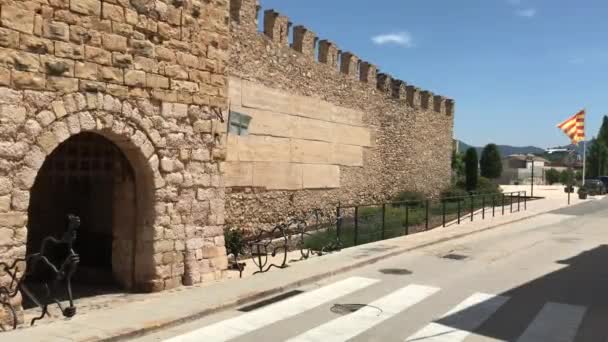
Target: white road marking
349 326
248 322
555 322
458 323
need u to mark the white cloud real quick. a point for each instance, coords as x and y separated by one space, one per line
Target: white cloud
526 13
398 38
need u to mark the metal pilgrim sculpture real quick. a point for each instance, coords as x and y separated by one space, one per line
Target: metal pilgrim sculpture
60 274
287 236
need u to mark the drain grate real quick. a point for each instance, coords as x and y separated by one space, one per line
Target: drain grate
453 256
269 301
395 271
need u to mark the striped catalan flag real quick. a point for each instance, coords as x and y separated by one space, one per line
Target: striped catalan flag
574 127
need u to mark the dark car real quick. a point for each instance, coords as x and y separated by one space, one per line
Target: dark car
604 180
595 187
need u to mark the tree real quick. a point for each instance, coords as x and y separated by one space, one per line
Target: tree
490 162
552 176
566 177
471 167
597 153
578 176
597 159
457 166
603 134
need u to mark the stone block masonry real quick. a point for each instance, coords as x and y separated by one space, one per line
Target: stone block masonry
329 127
142 75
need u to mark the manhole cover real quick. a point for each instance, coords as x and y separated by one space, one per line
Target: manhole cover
345 309
453 256
395 271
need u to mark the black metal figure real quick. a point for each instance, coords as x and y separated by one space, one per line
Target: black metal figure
60 274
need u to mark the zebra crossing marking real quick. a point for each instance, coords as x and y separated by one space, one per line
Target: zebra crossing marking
347 327
555 322
254 320
458 323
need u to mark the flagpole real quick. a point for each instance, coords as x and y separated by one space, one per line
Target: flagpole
584 149
584 159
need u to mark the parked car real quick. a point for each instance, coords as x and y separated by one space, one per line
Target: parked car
595 187
604 180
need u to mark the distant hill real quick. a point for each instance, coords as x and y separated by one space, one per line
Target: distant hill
506 150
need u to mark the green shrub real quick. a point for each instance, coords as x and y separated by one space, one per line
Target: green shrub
552 176
566 177
454 191
416 198
471 166
486 186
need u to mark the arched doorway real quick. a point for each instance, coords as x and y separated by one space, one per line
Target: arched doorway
89 176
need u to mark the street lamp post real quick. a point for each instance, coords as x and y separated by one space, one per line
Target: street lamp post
531 158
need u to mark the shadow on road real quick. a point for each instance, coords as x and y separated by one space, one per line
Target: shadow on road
583 282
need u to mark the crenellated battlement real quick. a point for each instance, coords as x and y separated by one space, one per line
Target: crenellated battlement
277 28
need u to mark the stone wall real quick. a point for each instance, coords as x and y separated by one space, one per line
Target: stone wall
151 77
293 142
410 129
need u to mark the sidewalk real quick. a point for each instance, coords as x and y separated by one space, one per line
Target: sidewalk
154 311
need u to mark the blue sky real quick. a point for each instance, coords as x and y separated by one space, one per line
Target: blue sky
516 68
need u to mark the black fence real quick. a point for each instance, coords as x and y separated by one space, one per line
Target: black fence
318 232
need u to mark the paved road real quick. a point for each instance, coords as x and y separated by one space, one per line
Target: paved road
544 279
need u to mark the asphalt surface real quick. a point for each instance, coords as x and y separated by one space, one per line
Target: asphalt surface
542 279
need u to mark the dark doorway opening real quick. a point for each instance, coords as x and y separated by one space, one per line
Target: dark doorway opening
88 176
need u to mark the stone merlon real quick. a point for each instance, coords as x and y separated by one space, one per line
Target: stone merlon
398 89
328 53
439 102
304 41
427 99
276 27
368 73
384 83
449 107
349 64
413 96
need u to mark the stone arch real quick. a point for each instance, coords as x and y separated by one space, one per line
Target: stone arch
106 119
181 241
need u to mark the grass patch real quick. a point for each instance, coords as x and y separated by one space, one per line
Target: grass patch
398 221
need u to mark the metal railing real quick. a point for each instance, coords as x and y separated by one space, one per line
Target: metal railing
318 233
365 223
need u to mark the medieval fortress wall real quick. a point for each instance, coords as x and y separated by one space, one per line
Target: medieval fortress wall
325 127
153 81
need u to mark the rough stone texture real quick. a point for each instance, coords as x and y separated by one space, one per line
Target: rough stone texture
99 66
411 132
